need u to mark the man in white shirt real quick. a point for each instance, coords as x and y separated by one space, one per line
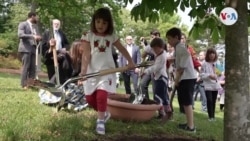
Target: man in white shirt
134 52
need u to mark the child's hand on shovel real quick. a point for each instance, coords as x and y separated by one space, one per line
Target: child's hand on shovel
80 82
131 65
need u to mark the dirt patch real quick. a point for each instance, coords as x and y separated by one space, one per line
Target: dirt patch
153 138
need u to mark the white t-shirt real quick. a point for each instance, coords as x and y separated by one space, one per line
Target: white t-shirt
101 59
159 67
183 60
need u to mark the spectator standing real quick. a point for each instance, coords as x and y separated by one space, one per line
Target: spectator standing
199 87
135 54
62 45
29 36
210 81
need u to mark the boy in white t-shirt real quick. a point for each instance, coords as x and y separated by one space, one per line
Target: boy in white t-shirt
185 76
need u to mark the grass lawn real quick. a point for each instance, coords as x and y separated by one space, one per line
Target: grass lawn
22 118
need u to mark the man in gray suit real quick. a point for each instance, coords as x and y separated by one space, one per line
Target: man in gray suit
29 36
135 54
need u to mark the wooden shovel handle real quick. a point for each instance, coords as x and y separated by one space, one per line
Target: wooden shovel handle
122 69
110 71
55 57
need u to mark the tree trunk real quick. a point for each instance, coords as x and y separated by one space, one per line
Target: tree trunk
237 105
33 7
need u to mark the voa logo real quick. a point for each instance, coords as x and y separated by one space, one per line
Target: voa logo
228 16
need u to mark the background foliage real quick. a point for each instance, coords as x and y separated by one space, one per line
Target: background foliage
75 16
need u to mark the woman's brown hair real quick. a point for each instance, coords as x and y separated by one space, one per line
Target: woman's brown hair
76 51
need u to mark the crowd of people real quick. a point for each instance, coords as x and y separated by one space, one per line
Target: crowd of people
176 67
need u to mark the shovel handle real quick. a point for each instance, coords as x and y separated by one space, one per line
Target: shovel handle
55 57
110 71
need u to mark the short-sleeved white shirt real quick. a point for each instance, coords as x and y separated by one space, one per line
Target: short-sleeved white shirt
183 60
159 67
101 59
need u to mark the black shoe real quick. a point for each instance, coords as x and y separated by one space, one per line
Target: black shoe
185 127
182 125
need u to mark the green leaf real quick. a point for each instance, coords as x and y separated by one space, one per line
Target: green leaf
200 1
194 32
186 3
192 13
193 3
176 3
182 7
215 35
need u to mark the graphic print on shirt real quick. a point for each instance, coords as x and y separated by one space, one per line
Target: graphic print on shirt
101 46
110 81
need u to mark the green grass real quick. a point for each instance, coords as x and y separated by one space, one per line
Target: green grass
23 118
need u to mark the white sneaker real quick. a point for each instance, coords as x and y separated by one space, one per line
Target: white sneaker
100 127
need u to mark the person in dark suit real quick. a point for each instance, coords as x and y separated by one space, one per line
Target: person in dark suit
135 54
62 45
29 36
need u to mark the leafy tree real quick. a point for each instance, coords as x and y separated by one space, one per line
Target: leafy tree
141 28
75 16
237 110
9 38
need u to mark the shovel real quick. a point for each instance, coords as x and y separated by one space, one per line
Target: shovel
60 89
38 59
56 66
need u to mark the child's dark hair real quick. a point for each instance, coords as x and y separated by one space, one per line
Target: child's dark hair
155 32
173 32
104 14
30 14
210 51
157 42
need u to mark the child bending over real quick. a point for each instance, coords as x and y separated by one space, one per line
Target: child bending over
160 75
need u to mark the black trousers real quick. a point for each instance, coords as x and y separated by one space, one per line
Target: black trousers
211 102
